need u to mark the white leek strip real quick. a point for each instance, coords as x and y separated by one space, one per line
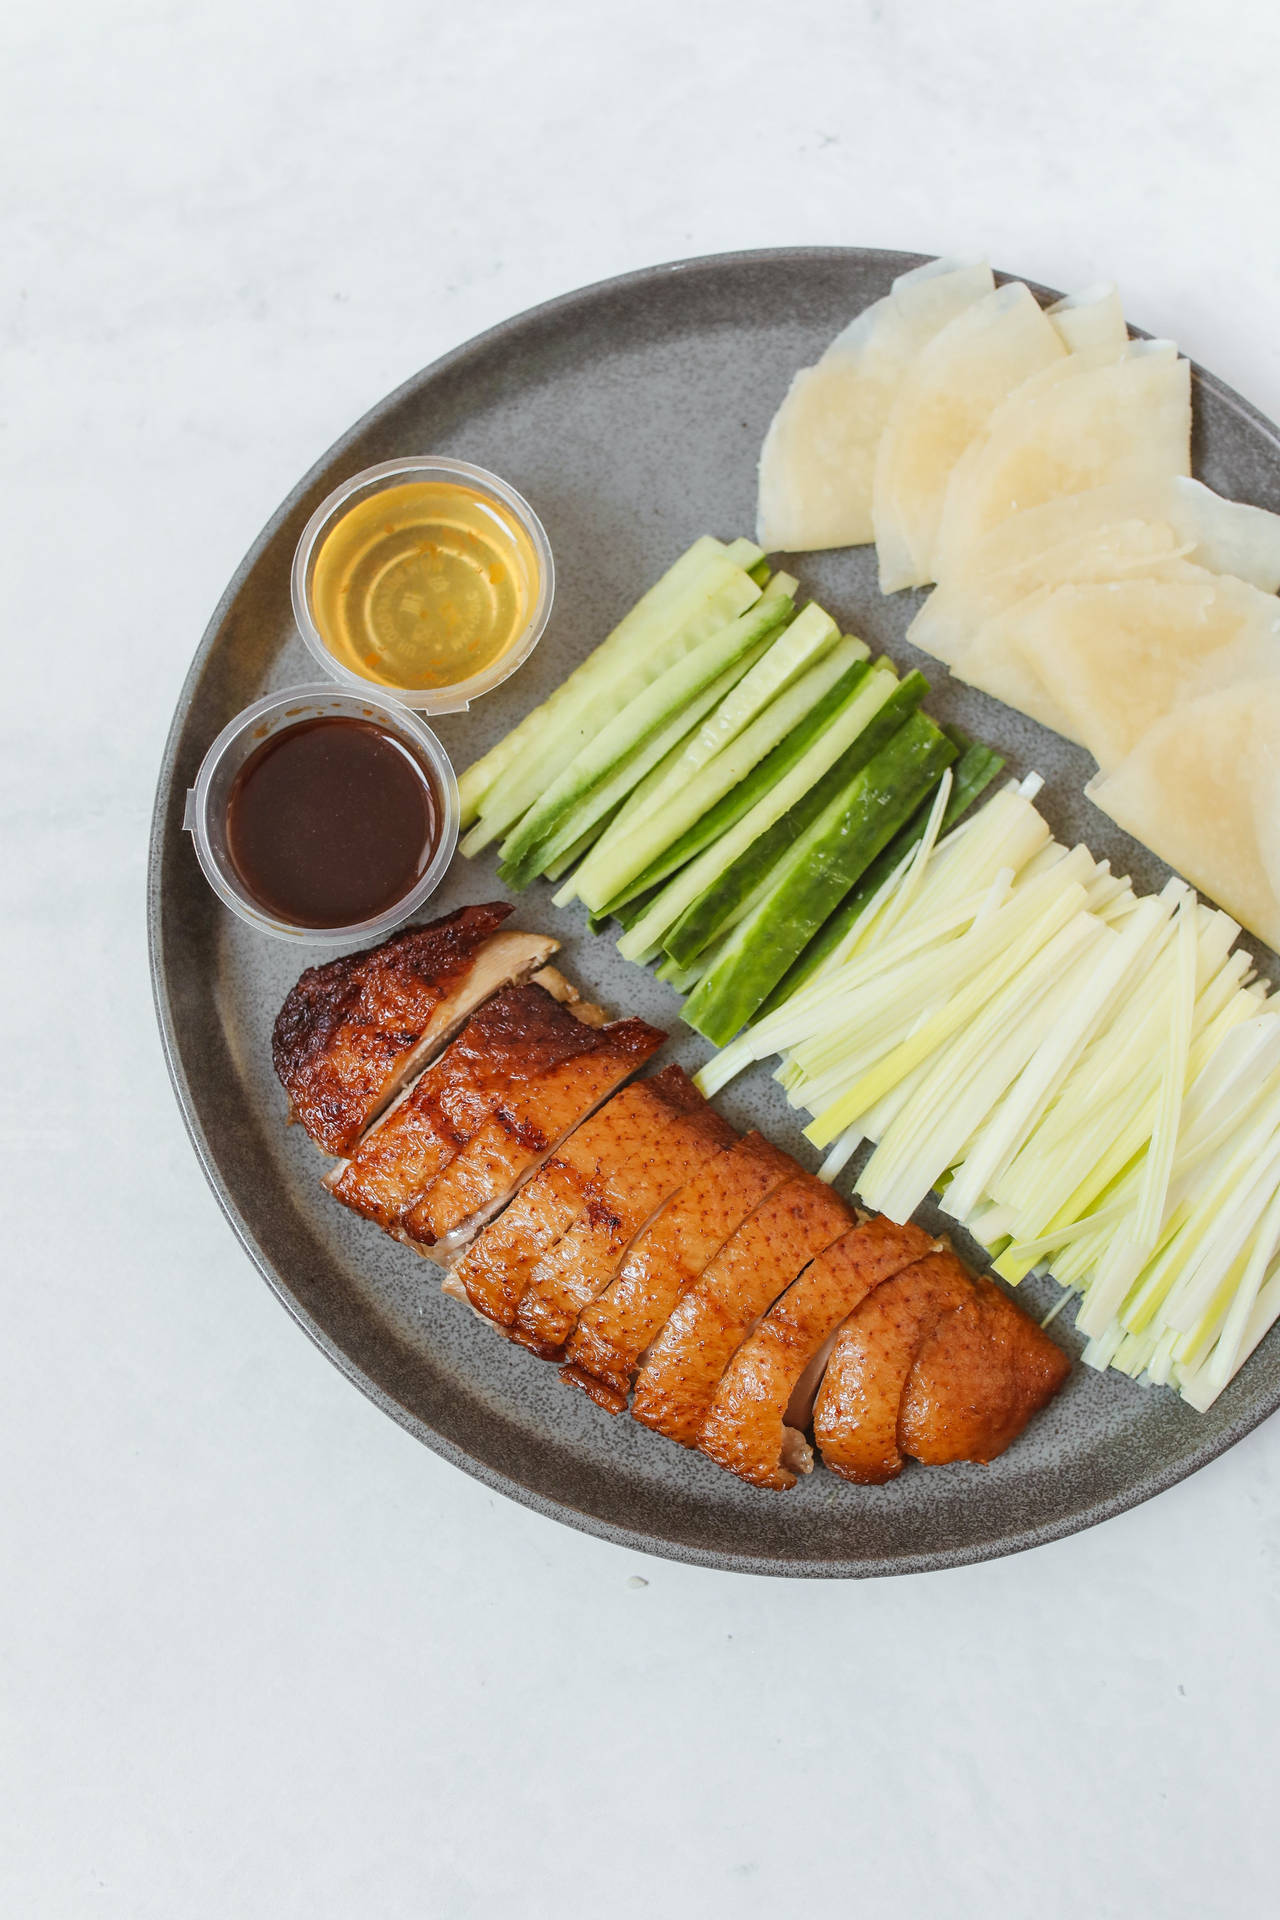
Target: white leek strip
875 1123
1199 1387
808 1014
1194 1348
1005 832
1225 1221
1097 1101
969 1076
1113 966
1007 942
1135 1241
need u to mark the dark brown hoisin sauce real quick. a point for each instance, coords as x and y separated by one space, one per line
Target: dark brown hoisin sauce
331 821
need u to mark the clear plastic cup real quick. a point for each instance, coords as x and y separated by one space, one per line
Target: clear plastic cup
394 473
205 816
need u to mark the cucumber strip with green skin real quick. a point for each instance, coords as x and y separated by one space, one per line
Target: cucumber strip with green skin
482 776
651 723
633 910
562 863
586 822
809 639
625 916
760 573
818 871
607 682
605 803
724 723
972 774
859 708
745 554
683 979
700 922
730 784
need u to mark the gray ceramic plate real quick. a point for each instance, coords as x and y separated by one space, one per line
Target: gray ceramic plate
631 415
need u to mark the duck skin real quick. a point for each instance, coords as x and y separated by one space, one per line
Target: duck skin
527 1122
677 1383
615 1331
581 1264
495 1270
855 1417
520 1034
975 1384
351 1032
756 1423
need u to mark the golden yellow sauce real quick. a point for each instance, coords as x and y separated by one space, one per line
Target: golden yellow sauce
423 585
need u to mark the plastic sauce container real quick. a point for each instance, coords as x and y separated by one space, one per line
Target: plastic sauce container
429 578
318 773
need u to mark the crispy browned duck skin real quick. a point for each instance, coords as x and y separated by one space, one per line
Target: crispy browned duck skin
756 1423
350 1033
582 1263
677 1383
527 1122
855 1418
495 1270
519 1034
975 1384
614 1332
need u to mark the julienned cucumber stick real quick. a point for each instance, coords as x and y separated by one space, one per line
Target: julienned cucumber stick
809 638
665 813
644 938
663 700
699 924
597 812
691 735
819 869
483 775
733 802
972 774
977 768
635 655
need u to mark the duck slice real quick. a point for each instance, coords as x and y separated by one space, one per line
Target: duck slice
521 1033
495 1270
757 1420
975 1384
626 1195
352 1032
677 1383
615 1331
529 1118
855 1418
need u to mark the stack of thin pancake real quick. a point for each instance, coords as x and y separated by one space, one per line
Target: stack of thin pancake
628 1232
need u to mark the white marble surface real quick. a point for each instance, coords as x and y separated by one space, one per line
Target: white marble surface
262 1655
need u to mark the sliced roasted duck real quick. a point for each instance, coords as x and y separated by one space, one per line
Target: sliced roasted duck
629 1230
582 1263
763 1405
556 1075
352 1032
614 1332
855 1417
978 1380
677 1383
495 1270
521 1032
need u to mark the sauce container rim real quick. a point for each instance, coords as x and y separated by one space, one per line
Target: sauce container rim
458 697
316 701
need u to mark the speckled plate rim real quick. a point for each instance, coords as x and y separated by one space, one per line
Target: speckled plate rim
1145 1486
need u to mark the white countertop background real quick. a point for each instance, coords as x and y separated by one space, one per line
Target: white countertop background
262 1654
